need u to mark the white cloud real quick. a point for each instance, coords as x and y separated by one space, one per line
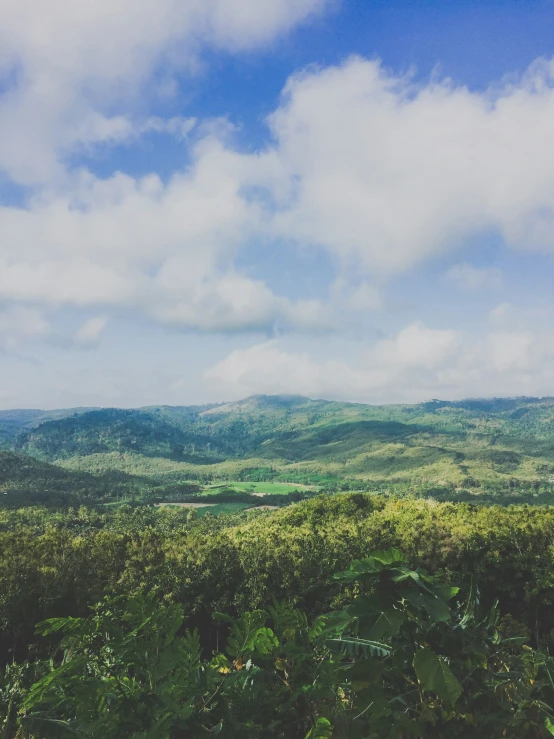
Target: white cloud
417 346
365 297
18 323
72 71
502 314
89 333
262 366
417 364
178 126
512 350
385 173
378 171
468 277
163 251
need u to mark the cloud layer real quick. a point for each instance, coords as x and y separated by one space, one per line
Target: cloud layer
373 171
416 364
385 172
73 72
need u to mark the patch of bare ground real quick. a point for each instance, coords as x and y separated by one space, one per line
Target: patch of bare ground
187 505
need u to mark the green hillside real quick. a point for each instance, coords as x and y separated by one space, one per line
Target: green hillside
111 429
25 480
14 422
448 449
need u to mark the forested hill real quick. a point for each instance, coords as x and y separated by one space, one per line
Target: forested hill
13 422
25 480
462 443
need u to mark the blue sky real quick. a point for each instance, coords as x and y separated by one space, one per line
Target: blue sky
201 200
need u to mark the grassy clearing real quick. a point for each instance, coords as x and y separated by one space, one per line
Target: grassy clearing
275 488
185 505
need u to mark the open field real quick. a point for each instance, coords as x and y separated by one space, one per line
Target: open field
186 505
218 509
266 488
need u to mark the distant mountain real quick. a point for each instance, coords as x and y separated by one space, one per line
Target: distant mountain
153 432
13 422
461 443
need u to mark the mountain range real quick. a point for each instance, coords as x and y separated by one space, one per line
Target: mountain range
473 445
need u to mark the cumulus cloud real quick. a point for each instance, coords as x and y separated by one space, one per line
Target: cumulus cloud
162 250
417 346
375 169
89 333
266 368
384 172
18 323
399 366
468 277
365 297
416 364
71 72
378 171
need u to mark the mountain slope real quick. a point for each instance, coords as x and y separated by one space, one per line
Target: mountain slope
463 443
25 480
14 422
114 430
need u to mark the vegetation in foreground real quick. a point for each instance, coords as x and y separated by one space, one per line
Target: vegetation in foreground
403 658
61 564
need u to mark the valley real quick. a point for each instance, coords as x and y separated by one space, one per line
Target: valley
499 450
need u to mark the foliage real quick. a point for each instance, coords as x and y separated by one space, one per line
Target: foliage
399 660
55 562
425 667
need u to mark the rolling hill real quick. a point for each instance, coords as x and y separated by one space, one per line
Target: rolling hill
475 445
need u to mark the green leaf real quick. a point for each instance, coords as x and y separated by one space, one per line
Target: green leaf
445 592
32 720
249 634
549 726
438 610
217 616
360 568
372 565
436 676
377 616
389 557
322 729
53 625
354 645
365 671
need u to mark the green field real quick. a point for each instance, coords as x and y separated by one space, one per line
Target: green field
217 509
271 488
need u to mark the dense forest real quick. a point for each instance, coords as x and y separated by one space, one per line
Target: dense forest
441 621
501 450
149 587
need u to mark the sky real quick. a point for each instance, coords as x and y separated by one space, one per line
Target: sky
202 200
